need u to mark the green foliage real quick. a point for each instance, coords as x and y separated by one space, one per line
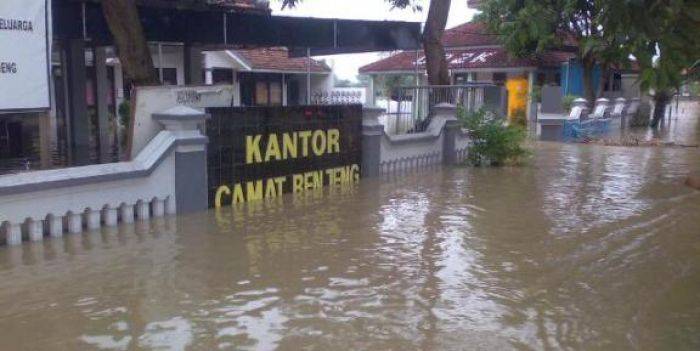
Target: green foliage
694 88
568 102
530 27
386 85
125 113
536 93
494 142
519 118
402 4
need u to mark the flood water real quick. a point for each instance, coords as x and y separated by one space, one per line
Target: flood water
587 247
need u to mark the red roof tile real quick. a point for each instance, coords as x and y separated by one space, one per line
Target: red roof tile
467 59
277 59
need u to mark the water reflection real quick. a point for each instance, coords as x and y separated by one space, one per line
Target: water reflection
588 247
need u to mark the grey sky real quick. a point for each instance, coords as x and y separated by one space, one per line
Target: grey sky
346 65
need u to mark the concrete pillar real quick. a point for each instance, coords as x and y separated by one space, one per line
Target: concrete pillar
620 113
452 128
93 218
46 136
35 229
372 133
208 77
79 121
170 206
75 223
579 109
143 211
55 226
370 98
619 107
127 213
531 103
194 63
158 207
13 234
110 216
102 99
191 190
602 108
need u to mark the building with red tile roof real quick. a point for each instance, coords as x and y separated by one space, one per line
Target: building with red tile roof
267 76
475 54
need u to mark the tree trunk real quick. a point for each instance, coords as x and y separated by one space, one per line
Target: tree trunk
661 100
435 62
123 20
588 89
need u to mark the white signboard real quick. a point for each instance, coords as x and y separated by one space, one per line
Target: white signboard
24 55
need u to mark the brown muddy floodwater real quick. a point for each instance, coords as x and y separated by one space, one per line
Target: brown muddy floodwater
587 248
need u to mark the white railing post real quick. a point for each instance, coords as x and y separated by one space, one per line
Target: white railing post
126 212
55 226
13 234
35 229
110 216
158 207
75 223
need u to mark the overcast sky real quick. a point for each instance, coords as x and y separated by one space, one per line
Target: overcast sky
346 65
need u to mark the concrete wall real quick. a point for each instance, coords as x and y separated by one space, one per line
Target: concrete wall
150 100
167 175
443 142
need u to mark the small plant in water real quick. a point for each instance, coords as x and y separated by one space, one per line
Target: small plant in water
494 142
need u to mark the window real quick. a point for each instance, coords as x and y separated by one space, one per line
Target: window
169 76
262 93
222 76
275 93
268 93
261 89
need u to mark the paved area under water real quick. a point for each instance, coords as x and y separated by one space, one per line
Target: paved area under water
587 247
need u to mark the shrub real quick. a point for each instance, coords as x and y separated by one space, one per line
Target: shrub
568 102
519 118
125 113
494 142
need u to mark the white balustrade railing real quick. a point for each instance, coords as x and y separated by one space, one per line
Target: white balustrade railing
49 203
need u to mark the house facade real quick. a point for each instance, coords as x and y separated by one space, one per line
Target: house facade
475 55
267 76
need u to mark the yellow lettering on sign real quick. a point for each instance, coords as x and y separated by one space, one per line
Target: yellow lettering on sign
318 142
273 149
297 183
313 180
333 141
254 190
270 189
289 145
305 135
238 197
279 181
223 190
252 149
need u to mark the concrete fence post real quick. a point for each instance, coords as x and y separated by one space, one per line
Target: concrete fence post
191 193
579 109
372 132
602 108
451 129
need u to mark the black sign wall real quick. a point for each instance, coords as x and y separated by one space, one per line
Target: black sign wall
256 153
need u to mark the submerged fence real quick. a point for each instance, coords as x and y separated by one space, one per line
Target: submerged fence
410 111
575 130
